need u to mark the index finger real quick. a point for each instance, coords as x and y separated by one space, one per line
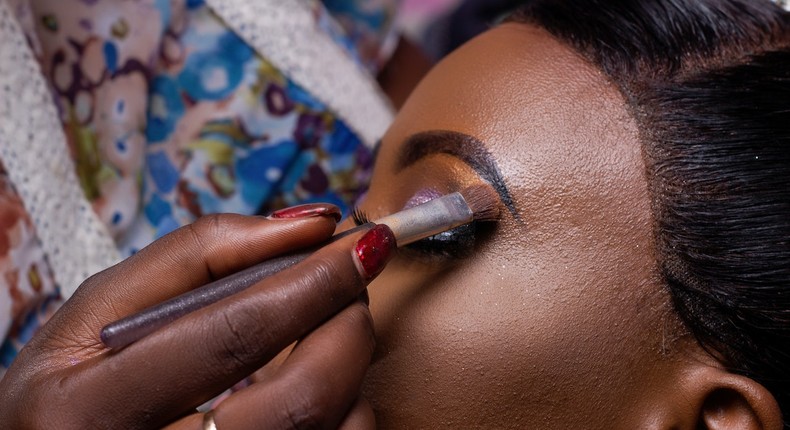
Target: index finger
203 353
191 256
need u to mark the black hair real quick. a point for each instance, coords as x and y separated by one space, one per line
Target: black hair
708 83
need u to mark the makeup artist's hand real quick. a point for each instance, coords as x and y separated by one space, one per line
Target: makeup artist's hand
66 378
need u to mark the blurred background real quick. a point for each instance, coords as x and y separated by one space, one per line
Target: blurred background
431 29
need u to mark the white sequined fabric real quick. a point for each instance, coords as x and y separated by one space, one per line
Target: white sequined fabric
286 34
34 151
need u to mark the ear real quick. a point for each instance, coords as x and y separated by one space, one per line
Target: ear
716 399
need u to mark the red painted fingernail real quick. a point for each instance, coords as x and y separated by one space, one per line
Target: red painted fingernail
374 250
308 210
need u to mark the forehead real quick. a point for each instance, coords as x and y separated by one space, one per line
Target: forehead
549 118
560 132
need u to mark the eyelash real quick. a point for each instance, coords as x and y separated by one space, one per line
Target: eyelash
359 216
455 244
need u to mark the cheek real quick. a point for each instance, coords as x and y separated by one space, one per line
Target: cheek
500 341
438 346
460 351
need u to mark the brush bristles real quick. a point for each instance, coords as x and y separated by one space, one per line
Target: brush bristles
483 201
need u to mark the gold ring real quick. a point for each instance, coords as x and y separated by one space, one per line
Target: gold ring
208 421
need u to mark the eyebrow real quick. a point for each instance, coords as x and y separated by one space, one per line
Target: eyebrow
466 148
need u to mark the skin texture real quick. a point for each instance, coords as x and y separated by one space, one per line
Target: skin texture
556 320
65 375
559 320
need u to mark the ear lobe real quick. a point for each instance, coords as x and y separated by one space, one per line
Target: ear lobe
727 401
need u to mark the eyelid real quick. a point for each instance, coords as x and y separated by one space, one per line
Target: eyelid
466 149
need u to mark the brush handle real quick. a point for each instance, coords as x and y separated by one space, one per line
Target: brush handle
134 327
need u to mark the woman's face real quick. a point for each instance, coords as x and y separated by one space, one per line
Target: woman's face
557 319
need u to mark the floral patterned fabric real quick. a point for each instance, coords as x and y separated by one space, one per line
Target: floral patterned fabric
24 273
169 115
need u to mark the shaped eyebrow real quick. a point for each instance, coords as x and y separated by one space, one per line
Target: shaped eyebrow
466 148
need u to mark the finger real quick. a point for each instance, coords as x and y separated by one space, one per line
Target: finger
270 369
318 384
191 256
360 417
198 356
192 422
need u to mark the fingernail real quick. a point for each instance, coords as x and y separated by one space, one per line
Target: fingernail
307 211
374 250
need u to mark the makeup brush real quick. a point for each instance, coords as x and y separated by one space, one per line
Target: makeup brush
484 203
475 203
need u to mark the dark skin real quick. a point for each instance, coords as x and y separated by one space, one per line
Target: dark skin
69 355
556 321
160 379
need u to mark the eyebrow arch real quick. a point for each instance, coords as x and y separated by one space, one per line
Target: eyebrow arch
459 145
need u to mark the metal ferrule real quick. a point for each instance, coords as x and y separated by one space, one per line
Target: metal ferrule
428 219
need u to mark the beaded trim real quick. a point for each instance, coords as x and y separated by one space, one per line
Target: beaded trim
34 152
286 34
